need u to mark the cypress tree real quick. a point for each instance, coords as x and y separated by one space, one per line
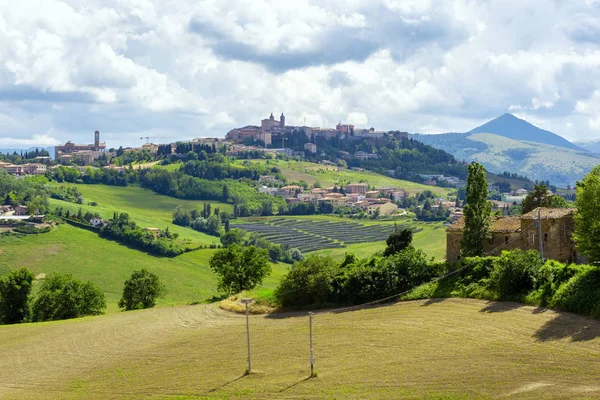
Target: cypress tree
477 212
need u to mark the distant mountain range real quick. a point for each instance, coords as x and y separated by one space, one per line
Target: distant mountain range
591 145
508 143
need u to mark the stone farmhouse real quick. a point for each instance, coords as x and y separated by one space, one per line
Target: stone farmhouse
521 232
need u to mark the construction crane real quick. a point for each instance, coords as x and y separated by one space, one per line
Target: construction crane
154 137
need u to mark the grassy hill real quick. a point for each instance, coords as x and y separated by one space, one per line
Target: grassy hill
145 207
108 264
329 176
560 165
450 349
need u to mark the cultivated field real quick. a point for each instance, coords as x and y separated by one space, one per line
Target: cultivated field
108 264
146 208
450 349
337 236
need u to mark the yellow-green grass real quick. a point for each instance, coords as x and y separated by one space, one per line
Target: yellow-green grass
146 208
329 175
108 264
451 349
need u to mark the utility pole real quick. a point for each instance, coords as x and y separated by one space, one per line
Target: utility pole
540 233
312 354
246 302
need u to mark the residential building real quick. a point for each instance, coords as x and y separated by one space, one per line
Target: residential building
384 208
97 222
360 188
507 198
310 147
520 232
154 231
361 155
372 194
34 169
292 190
20 210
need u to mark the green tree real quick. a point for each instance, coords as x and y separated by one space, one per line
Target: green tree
61 296
232 236
15 289
141 290
587 218
398 241
240 268
477 212
538 197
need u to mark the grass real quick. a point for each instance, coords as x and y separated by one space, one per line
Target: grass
108 264
146 208
451 349
329 175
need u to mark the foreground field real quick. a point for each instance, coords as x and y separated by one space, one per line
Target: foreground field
438 349
108 264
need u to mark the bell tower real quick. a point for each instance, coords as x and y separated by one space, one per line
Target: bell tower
282 121
97 140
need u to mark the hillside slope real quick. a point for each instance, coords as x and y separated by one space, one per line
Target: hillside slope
424 349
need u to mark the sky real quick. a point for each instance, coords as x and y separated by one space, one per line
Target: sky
182 69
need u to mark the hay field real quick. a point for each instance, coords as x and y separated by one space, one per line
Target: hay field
433 349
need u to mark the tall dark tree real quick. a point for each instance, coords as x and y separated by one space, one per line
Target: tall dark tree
477 212
538 197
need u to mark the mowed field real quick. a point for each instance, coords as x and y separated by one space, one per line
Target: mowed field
146 208
108 264
439 349
328 175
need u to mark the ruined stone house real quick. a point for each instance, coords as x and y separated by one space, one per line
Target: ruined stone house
521 232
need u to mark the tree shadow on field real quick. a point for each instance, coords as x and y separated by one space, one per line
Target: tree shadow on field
294 384
500 306
571 326
430 302
227 383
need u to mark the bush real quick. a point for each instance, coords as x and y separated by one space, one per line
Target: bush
550 277
15 289
581 294
61 296
309 282
141 291
514 274
378 277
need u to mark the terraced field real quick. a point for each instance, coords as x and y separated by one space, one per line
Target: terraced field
311 235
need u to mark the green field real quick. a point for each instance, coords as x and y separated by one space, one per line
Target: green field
450 349
146 208
328 175
108 264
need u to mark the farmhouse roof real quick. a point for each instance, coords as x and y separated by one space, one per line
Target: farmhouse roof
549 213
499 224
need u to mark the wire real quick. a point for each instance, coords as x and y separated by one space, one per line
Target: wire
349 308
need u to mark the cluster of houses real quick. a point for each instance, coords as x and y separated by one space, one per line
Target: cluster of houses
24 169
355 195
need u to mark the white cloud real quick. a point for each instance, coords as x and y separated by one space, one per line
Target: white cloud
197 68
36 140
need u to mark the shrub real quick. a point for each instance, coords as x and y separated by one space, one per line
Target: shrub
550 277
514 274
15 289
233 236
141 290
379 277
61 296
580 294
309 282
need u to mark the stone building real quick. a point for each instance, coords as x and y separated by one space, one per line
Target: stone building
95 150
521 232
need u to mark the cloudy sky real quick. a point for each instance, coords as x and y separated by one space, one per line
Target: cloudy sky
182 69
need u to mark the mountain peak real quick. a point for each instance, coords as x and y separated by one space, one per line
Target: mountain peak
512 127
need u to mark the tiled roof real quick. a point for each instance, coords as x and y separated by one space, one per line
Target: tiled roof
499 224
549 213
